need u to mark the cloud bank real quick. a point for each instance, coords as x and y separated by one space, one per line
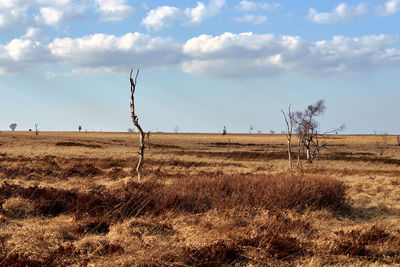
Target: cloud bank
229 55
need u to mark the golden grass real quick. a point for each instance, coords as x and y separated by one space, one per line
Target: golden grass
217 223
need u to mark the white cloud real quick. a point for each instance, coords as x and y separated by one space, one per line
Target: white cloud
255 19
50 16
201 12
389 8
161 17
114 10
253 55
58 3
51 12
54 16
116 53
165 16
341 13
245 6
32 33
20 54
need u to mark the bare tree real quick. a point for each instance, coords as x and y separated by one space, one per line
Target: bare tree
80 128
36 129
251 129
135 121
176 129
307 130
224 131
290 121
13 126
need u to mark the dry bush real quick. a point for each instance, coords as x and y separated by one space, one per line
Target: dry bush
17 207
373 243
45 201
230 191
275 239
192 195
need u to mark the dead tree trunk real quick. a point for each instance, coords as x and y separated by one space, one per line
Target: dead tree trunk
289 120
299 149
135 121
398 140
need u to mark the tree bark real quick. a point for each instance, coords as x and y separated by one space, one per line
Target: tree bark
135 121
298 150
289 153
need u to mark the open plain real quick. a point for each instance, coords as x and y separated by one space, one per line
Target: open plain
70 198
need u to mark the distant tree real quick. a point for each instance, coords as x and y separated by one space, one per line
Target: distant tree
135 121
131 130
259 131
176 129
80 128
13 126
251 129
272 132
290 122
36 129
224 131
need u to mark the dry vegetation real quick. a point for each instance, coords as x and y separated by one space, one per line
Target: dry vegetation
210 200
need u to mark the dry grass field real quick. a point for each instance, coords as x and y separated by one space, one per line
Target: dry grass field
206 200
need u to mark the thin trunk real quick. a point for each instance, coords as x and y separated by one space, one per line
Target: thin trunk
290 153
135 121
141 152
298 150
309 153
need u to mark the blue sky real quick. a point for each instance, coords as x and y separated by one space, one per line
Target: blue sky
204 64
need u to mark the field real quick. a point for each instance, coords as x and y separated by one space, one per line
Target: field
206 199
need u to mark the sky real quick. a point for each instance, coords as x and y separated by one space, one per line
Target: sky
203 64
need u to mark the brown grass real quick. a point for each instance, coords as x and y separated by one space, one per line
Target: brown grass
208 200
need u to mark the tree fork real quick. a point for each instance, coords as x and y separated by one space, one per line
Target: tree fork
135 121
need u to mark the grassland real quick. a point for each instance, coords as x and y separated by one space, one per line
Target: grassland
210 200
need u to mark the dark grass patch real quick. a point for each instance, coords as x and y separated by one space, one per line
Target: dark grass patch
372 243
213 255
62 255
78 144
80 170
164 146
92 226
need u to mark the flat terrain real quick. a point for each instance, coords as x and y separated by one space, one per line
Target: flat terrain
206 199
